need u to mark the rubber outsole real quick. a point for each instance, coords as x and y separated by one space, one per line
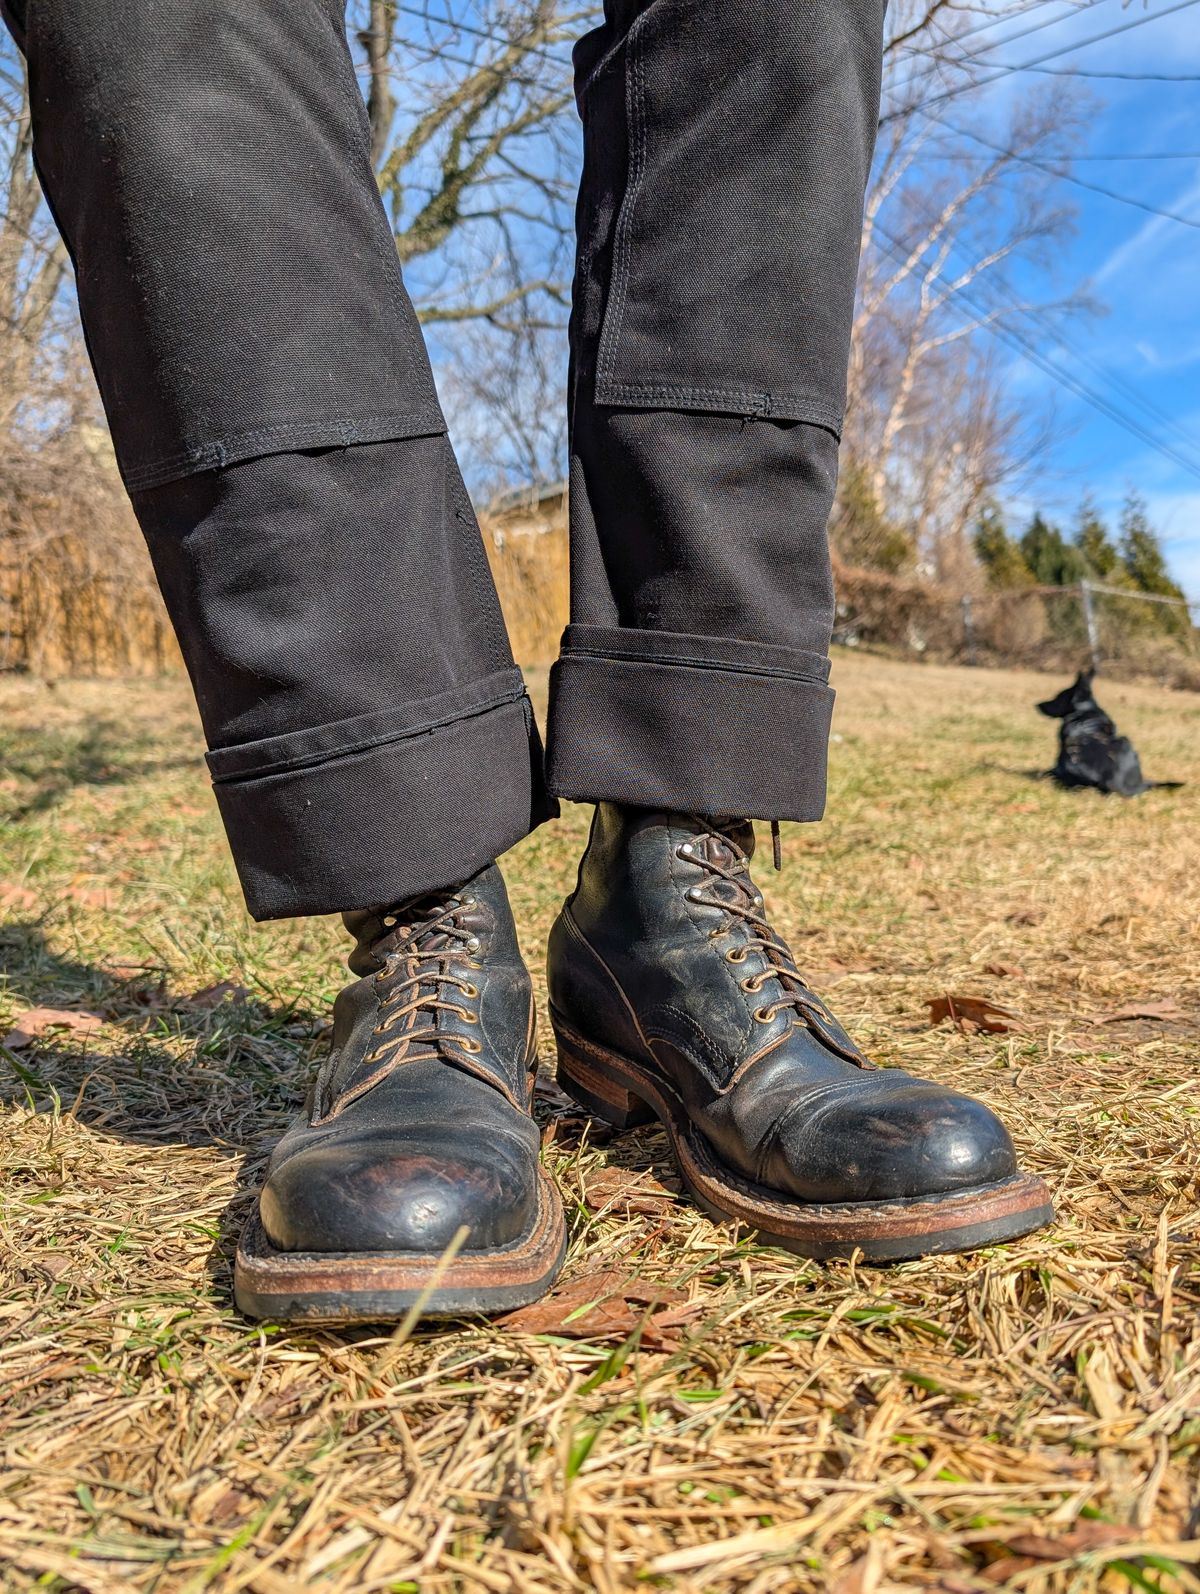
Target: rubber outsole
616 1090
361 1287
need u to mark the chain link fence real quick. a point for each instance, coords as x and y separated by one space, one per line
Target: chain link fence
1034 627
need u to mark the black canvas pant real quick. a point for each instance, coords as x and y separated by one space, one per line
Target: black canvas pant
278 430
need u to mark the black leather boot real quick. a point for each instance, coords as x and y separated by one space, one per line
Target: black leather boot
417 1128
672 997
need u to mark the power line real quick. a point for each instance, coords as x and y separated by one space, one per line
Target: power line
1114 77
1014 339
998 44
1133 155
1066 177
455 26
1098 38
1112 379
1039 60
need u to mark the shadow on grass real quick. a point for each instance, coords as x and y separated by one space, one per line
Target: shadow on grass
225 1075
56 765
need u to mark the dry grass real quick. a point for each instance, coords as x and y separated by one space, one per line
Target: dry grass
1028 1417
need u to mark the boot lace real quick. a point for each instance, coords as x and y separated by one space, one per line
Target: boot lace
435 947
427 954
746 907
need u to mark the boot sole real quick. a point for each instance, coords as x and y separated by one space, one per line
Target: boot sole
364 1287
620 1092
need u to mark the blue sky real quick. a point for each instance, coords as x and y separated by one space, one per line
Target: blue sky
1144 269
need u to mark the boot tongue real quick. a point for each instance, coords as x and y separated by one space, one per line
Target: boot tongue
728 843
377 937
416 938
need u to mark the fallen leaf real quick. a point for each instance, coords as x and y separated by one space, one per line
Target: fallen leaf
625 1192
231 1505
214 995
118 969
99 897
601 1305
1085 1536
17 897
1166 1009
974 1013
40 1020
53 1264
570 1129
863 1575
1007 1568
1005 971
1027 916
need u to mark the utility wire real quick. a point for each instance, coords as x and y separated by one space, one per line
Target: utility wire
1133 155
1153 411
1114 77
1050 55
1014 339
454 26
422 14
1112 379
1067 177
998 44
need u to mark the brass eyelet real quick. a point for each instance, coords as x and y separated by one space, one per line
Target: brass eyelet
735 955
763 1015
470 992
751 984
470 1018
473 1048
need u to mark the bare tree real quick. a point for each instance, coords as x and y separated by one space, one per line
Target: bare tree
475 153
957 228
33 262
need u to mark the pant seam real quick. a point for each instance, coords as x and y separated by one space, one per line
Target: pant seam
341 432
349 749
764 405
690 662
464 514
621 265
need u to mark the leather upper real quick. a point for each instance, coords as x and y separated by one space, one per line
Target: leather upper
663 954
418 1123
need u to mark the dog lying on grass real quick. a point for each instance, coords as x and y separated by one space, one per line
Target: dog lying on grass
1090 753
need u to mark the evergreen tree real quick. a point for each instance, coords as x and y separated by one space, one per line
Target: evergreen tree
1141 551
1094 543
1053 560
1142 558
861 530
1001 558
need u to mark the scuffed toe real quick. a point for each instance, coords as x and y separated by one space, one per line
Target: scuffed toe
379 1195
886 1141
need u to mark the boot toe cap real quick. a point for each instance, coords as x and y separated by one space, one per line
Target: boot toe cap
379 1195
913 1140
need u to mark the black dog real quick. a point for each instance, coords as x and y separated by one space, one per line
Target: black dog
1090 753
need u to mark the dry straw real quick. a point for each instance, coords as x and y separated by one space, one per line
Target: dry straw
1026 1418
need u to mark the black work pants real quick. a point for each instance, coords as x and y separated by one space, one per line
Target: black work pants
278 430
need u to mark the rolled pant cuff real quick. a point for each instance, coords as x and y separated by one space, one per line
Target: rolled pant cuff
694 724
377 809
